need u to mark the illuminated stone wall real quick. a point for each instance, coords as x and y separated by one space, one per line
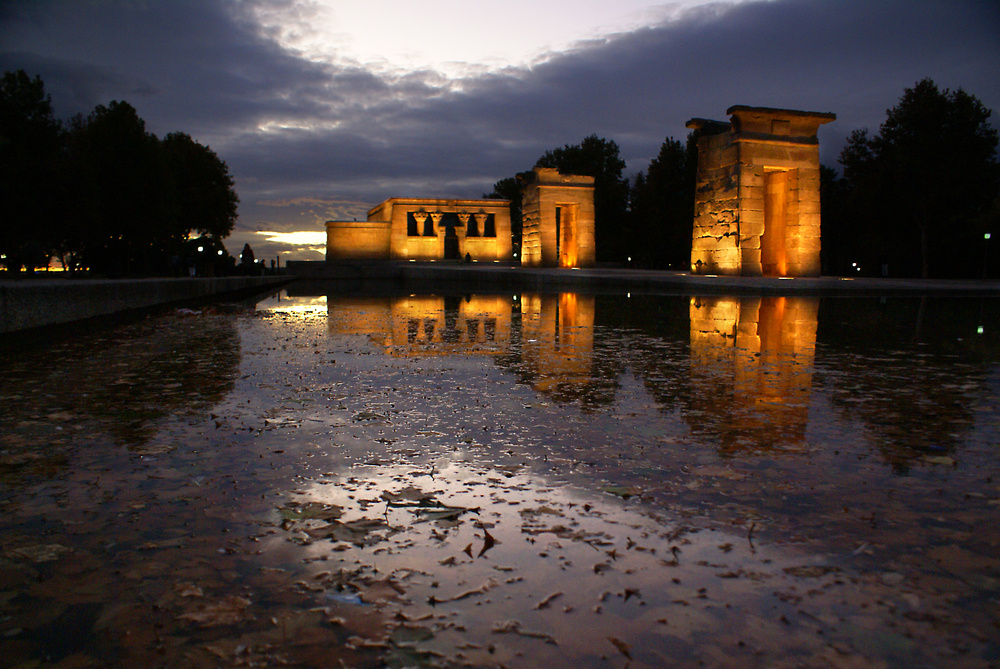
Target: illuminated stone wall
425 229
557 218
757 203
357 240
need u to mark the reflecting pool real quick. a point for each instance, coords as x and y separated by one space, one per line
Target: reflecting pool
363 478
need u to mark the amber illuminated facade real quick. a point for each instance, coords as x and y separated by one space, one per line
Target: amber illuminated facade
558 227
425 229
557 213
757 203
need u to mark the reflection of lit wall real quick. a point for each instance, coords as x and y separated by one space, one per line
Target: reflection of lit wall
751 362
425 229
429 325
557 218
558 338
359 315
757 199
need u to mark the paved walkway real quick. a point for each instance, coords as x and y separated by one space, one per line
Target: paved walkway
668 281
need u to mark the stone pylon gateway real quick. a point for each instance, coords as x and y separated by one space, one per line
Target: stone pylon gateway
757 203
557 214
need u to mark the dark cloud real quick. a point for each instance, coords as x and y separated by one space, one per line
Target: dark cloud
299 132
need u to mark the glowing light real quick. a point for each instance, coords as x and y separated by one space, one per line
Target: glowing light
299 238
220 252
986 236
979 330
393 35
200 249
786 278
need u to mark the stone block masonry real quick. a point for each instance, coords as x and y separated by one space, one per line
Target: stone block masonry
757 198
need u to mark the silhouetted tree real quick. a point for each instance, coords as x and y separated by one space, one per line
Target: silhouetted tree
510 189
924 182
247 260
599 158
841 234
661 211
30 156
202 196
102 191
127 228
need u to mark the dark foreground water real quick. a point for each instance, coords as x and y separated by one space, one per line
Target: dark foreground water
523 480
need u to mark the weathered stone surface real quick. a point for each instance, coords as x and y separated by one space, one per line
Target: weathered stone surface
778 214
558 229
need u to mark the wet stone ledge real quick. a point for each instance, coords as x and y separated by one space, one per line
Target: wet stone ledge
37 303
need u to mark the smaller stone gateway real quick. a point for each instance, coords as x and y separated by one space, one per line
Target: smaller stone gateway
557 214
757 203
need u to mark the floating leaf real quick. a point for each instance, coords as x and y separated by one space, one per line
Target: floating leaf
228 611
622 647
622 491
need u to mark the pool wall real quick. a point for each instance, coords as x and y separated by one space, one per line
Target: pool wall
37 303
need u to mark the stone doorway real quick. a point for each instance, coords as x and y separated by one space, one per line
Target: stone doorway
566 235
773 254
451 250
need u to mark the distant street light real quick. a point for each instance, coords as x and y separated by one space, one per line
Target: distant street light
986 251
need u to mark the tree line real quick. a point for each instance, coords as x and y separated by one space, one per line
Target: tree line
916 199
100 192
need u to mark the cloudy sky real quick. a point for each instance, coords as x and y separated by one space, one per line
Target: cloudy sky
324 108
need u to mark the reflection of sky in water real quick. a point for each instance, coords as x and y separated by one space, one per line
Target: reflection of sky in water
717 480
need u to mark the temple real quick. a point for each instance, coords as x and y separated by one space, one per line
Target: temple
757 206
558 215
425 229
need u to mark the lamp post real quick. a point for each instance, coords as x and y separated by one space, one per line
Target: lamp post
986 251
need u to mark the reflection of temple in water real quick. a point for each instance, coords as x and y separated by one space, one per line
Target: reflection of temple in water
557 343
751 369
426 324
553 333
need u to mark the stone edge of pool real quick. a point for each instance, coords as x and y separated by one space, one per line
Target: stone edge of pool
34 303
503 276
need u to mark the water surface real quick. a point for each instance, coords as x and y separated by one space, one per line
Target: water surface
507 480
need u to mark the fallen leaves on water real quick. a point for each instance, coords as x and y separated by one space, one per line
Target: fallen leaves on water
310 511
514 627
38 552
622 647
226 611
623 491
